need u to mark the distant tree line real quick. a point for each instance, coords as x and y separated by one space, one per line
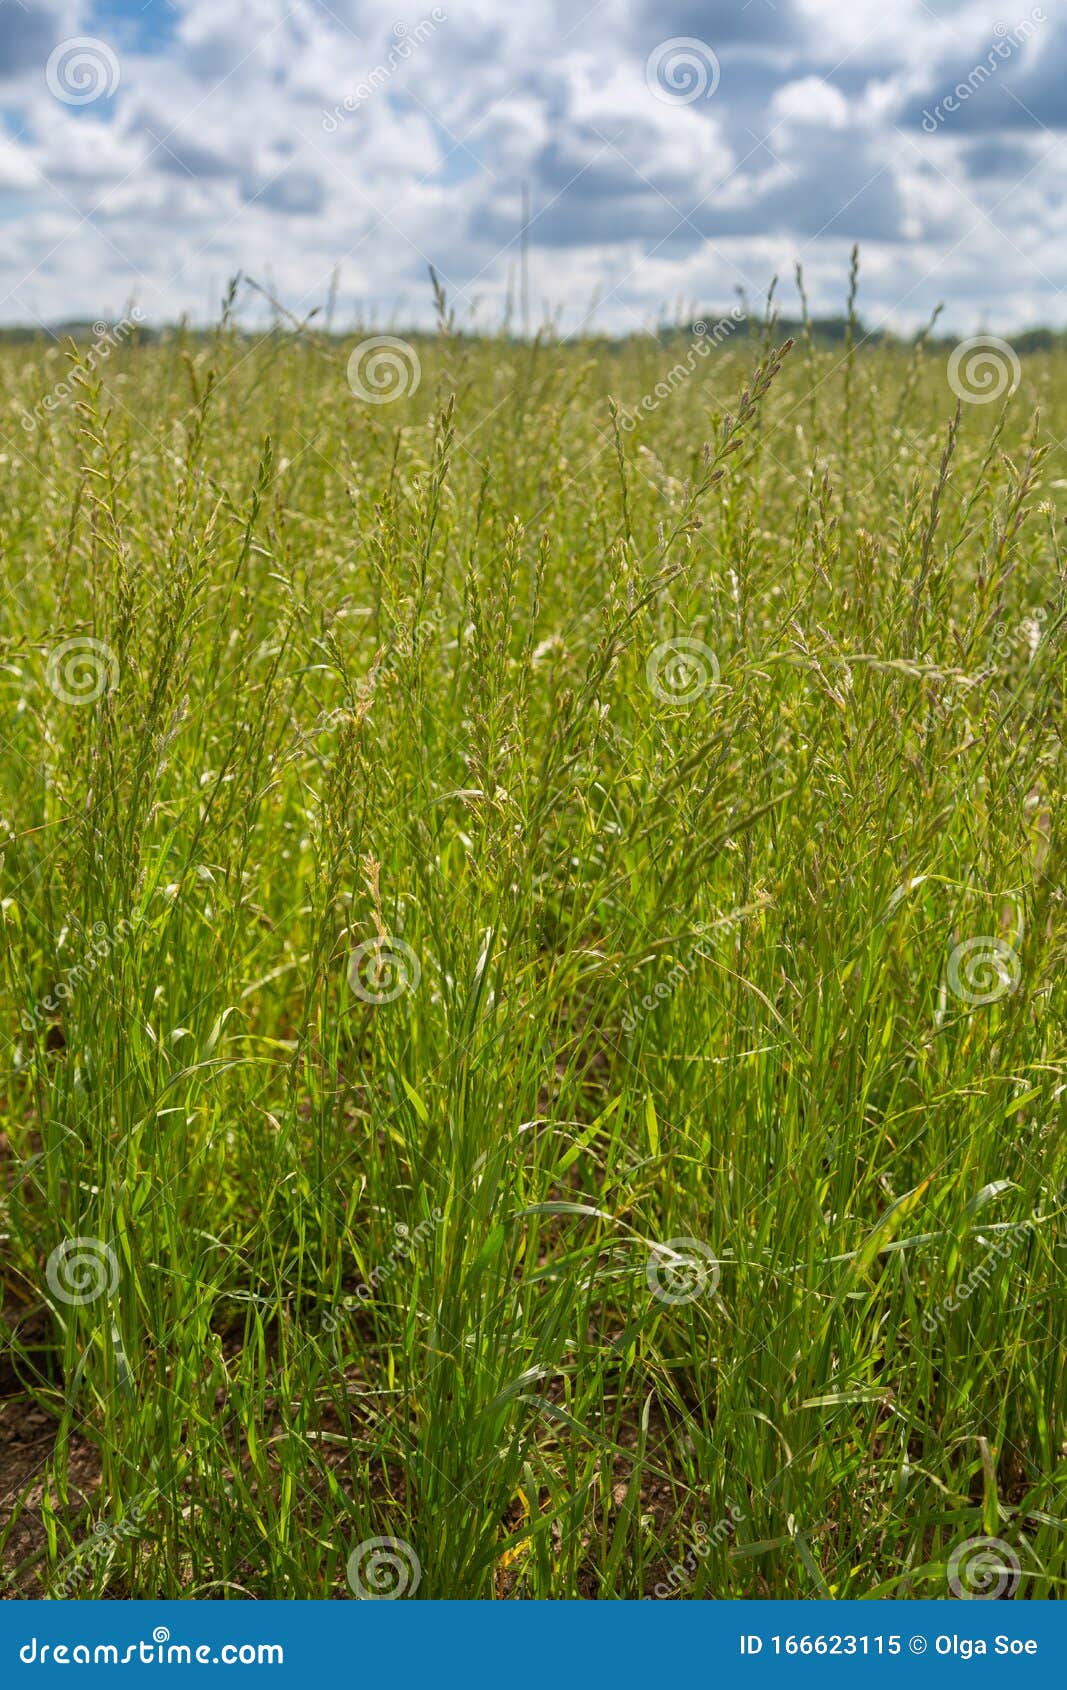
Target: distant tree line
829 330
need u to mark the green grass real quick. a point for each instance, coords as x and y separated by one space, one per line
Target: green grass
390 676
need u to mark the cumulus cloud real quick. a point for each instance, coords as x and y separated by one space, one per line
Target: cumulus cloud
290 142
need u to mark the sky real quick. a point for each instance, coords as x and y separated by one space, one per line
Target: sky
676 154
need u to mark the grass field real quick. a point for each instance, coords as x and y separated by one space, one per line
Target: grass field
532 990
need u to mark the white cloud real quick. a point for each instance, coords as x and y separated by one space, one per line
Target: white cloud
810 100
291 140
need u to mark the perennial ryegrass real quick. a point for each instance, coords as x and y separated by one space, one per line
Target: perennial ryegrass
753 944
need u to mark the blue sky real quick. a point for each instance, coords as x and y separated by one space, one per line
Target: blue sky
675 152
